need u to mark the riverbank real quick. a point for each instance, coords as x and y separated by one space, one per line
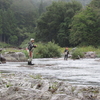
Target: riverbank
20 55
24 86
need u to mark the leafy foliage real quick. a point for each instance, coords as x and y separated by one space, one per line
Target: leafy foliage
77 54
48 50
54 23
85 28
4 45
18 21
95 4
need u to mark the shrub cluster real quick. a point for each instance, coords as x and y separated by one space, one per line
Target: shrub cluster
48 50
3 45
76 54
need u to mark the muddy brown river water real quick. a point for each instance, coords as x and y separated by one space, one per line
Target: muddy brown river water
77 72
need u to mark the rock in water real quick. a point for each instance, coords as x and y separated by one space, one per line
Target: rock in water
2 59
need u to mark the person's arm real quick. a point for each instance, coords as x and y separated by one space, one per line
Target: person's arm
34 46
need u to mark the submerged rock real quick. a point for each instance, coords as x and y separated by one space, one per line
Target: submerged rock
2 59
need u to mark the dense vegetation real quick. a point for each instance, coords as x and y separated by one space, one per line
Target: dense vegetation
85 27
54 24
17 20
65 23
48 50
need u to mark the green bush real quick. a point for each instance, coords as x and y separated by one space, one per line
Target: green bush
4 45
24 44
76 54
98 53
90 48
48 50
26 53
87 48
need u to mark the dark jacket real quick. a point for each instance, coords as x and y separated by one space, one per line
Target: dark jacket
30 46
66 52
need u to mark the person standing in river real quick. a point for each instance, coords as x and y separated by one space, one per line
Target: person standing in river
66 52
30 48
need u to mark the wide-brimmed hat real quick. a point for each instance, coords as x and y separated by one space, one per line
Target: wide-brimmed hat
31 39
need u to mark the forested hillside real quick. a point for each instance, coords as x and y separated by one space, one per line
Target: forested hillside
84 2
23 19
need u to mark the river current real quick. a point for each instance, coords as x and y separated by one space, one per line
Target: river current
77 72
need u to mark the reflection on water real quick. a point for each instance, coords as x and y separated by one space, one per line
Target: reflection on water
80 72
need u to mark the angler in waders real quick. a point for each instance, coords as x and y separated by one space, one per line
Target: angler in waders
30 49
66 52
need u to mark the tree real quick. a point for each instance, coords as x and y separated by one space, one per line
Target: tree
8 25
22 34
85 28
0 26
26 14
13 39
41 8
5 4
95 4
54 23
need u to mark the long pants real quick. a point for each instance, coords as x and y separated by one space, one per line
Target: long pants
65 57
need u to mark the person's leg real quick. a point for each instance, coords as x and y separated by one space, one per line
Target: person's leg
65 57
30 58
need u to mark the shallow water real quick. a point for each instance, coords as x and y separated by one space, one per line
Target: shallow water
77 72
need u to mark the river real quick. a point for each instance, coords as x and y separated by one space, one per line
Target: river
77 72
